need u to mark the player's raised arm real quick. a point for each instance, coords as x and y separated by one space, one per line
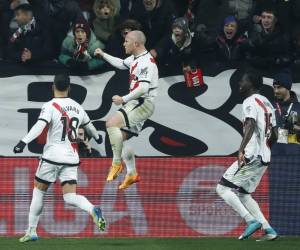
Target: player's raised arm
114 61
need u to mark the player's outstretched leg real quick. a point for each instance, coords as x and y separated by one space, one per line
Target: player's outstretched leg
84 204
116 141
253 208
132 175
35 210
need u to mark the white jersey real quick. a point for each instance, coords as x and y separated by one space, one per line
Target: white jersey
143 68
63 116
261 110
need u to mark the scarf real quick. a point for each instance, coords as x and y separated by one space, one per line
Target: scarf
80 51
24 29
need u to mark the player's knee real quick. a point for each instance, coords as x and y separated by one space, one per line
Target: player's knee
128 153
220 189
69 198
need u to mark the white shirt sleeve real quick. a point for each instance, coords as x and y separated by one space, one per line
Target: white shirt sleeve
91 130
35 131
117 62
142 88
46 112
86 120
249 110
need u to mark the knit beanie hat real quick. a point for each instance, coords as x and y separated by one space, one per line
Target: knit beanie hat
82 24
283 79
181 23
229 19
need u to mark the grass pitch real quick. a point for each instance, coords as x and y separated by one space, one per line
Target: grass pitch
283 243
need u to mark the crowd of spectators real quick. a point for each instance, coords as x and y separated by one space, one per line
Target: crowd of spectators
180 33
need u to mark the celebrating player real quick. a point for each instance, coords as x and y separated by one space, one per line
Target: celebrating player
137 105
60 158
254 156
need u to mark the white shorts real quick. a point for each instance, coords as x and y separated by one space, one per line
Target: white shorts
49 173
248 177
135 113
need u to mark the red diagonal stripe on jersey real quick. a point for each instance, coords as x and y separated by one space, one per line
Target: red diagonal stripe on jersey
133 67
261 104
64 113
135 86
152 60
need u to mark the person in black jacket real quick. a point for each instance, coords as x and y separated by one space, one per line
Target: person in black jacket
60 15
177 51
287 115
114 45
156 17
269 46
30 43
229 43
84 146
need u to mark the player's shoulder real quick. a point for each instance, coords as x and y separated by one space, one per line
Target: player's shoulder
48 104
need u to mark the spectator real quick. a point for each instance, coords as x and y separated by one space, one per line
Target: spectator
285 10
84 147
287 114
5 16
107 14
78 49
229 43
115 43
209 14
178 51
30 42
269 46
156 17
61 16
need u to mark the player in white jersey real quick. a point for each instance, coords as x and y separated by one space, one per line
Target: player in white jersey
254 156
60 158
137 107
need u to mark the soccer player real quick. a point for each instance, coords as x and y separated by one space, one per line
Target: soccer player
60 158
254 156
137 106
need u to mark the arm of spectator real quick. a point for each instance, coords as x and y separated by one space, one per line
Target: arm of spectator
14 53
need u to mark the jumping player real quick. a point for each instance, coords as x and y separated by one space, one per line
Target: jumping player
137 106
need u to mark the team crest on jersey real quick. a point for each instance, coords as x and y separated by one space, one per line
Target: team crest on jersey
144 72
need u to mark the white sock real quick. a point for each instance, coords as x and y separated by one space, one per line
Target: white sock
129 159
36 208
233 200
254 209
80 201
116 142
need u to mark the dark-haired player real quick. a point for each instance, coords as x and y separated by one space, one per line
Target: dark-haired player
60 158
254 156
